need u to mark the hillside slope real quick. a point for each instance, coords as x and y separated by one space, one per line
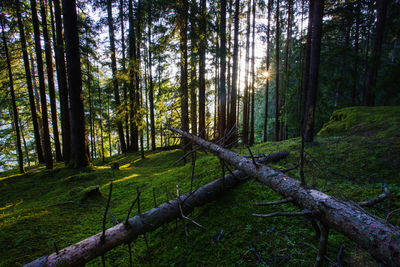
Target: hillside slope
43 207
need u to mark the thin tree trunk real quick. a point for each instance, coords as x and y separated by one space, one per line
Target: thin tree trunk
101 118
270 3
79 143
28 76
28 160
253 72
14 104
232 125
202 69
42 89
50 81
245 133
369 97
222 85
356 44
314 69
277 51
307 65
61 79
182 25
193 62
114 74
124 85
151 90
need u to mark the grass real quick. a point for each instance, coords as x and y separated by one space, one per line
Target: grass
34 212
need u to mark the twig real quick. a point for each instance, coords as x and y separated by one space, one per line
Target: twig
343 175
154 197
252 157
111 215
193 166
390 214
103 236
55 246
290 168
302 179
257 254
130 208
218 238
380 198
130 254
288 214
323 243
326 257
286 200
139 212
339 256
183 216
185 155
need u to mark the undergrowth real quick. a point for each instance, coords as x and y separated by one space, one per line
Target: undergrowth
43 207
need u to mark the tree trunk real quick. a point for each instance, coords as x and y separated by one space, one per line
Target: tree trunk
369 97
314 69
232 114
132 71
42 89
356 40
28 76
13 102
222 85
245 133
270 2
114 74
61 79
252 76
124 85
151 90
277 37
202 69
378 237
50 81
79 144
182 25
193 63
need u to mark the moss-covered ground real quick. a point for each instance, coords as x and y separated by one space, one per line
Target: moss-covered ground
36 209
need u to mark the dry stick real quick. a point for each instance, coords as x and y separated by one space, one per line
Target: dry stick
130 208
130 254
326 257
303 181
154 197
257 254
289 214
183 216
103 236
111 215
138 208
252 157
380 198
339 256
290 168
390 214
323 243
193 166
55 246
180 209
185 155
286 200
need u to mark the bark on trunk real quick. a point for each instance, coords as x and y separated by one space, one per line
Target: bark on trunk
251 141
151 90
375 235
202 69
222 85
50 81
268 74
62 80
245 133
277 73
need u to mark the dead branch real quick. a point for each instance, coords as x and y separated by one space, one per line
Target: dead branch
288 214
385 194
290 168
390 214
182 214
286 200
257 254
323 244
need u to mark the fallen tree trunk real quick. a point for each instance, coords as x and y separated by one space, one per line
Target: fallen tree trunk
379 238
92 247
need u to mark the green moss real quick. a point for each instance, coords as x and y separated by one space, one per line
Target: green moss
380 122
33 214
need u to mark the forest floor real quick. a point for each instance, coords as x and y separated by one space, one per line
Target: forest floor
354 154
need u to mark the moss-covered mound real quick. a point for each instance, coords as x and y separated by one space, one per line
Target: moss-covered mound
379 122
